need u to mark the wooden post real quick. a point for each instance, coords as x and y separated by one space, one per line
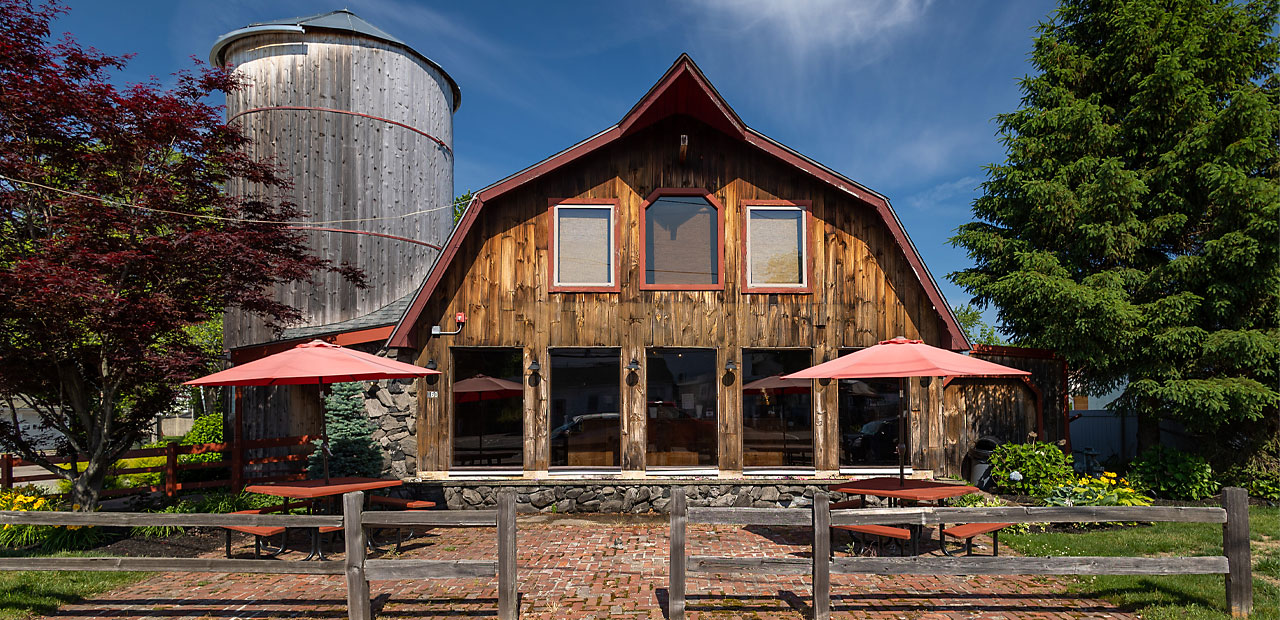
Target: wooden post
237 443
6 471
675 578
508 596
1235 545
821 556
171 469
358 604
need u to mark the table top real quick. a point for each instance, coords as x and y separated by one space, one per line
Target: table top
917 490
309 489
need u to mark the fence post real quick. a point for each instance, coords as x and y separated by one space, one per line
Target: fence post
6 471
821 556
358 604
1235 545
171 469
675 578
508 596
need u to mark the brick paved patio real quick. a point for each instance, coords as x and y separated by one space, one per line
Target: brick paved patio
610 567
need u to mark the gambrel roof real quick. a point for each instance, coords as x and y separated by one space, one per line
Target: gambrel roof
682 90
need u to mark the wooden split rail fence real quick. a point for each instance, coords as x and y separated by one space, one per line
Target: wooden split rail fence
234 458
1234 563
358 569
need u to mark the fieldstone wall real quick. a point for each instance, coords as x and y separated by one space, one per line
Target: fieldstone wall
392 406
617 496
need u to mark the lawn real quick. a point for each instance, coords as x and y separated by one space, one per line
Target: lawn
1183 597
24 594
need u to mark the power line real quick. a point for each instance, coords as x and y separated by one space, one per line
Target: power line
129 205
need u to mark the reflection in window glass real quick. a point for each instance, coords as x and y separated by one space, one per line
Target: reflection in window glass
681 236
869 422
488 408
586 429
775 246
682 407
777 413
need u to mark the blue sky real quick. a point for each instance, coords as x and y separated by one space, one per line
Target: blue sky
899 95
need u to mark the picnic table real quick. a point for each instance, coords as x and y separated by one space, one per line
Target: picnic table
321 489
896 491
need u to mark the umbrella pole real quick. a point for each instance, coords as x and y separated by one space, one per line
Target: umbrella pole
902 443
324 431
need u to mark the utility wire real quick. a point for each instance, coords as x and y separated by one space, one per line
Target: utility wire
119 203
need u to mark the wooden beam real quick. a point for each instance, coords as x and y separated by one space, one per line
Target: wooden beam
396 570
1026 514
676 570
821 556
446 518
173 565
358 604
751 516
508 596
763 566
130 519
1004 565
1235 543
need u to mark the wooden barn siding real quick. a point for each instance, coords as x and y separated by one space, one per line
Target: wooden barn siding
346 167
1002 408
863 291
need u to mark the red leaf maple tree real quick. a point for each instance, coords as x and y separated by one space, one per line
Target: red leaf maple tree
117 231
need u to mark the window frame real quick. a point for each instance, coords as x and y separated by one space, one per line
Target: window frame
806 266
719 237
615 242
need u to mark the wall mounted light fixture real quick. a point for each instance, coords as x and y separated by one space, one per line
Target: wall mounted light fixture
431 364
534 366
634 366
731 366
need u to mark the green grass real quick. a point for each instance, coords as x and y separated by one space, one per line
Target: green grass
1181 597
24 594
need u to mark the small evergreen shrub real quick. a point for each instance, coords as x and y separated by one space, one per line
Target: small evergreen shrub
1173 474
352 451
1033 469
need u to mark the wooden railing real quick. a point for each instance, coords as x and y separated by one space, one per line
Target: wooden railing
233 459
1234 563
358 569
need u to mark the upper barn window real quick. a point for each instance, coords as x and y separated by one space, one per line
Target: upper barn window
777 249
583 241
683 241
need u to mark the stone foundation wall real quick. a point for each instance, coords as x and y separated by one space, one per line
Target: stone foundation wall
392 407
610 496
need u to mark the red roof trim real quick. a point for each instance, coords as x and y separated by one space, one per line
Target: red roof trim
401 337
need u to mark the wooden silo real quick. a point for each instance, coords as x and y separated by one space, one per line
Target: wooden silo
363 124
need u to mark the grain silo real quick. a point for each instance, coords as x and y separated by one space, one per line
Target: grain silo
363 124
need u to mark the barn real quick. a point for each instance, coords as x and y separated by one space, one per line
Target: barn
626 307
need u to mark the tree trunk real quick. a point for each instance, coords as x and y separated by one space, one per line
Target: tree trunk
87 487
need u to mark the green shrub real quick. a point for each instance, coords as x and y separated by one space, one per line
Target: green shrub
1107 490
1173 474
1033 469
352 451
206 429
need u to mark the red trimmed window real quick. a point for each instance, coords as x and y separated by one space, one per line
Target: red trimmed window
683 245
584 246
776 254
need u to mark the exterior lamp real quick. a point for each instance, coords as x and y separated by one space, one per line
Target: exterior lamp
534 366
731 366
634 366
431 364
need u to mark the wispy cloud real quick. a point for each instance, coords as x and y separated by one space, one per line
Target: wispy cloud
804 30
949 197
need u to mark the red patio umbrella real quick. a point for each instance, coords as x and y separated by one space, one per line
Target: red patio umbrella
316 362
903 358
484 387
780 384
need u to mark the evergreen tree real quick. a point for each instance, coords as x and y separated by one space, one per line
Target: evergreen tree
352 451
1133 226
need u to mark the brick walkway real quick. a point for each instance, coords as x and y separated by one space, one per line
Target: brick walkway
573 569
